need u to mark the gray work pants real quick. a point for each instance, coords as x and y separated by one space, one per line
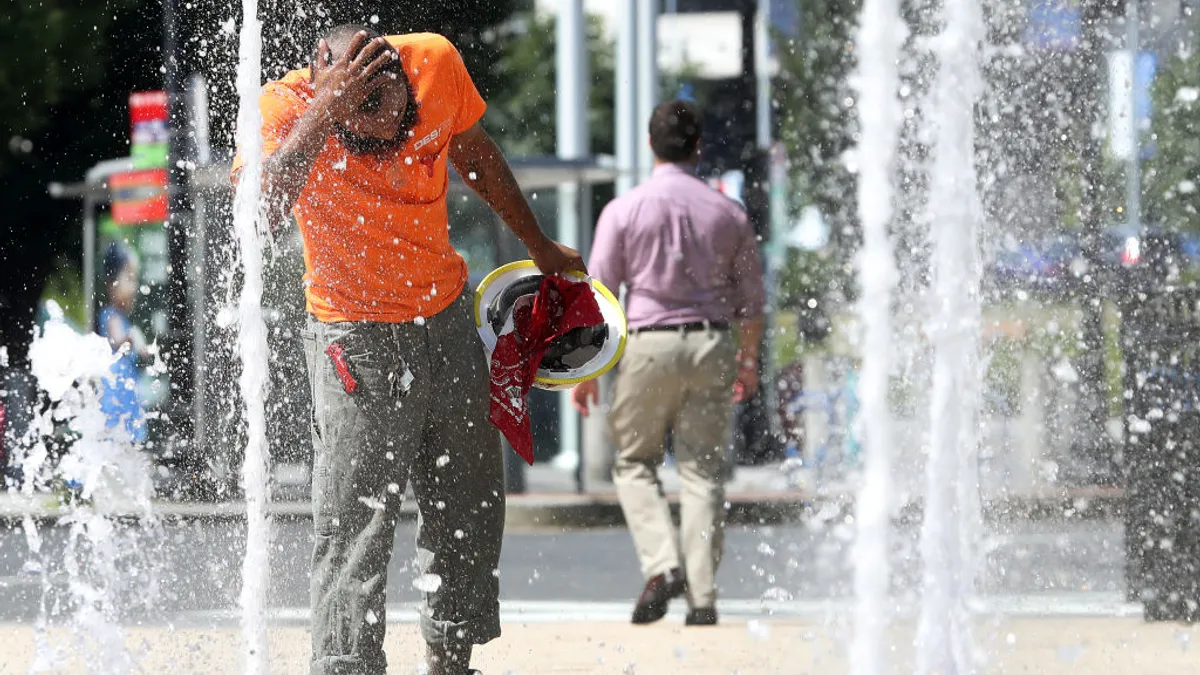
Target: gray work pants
419 413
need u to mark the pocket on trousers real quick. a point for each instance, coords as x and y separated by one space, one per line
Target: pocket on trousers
308 342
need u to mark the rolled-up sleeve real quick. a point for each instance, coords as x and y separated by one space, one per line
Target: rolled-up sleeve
608 249
749 291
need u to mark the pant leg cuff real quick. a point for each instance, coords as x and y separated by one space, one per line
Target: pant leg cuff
476 630
347 665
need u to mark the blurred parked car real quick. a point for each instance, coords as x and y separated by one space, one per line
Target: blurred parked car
1043 266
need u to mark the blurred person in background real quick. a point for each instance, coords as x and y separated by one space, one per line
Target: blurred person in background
689 260
119 397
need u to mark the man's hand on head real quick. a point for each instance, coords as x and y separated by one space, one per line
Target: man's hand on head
341 84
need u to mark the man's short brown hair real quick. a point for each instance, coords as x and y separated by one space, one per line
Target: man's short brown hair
675 130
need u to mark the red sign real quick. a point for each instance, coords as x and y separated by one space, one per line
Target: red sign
149 134
139 197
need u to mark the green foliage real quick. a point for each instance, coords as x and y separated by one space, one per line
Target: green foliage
50 50
816 127
521 111
521 114
816 121
65 287
1172 180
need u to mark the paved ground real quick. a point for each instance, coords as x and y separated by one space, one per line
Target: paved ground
1053 596
567 589
198 565
755 496
1020 646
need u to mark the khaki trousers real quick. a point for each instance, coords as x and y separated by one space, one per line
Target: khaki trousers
679 381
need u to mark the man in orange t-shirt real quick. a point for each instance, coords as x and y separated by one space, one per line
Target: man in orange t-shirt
356 148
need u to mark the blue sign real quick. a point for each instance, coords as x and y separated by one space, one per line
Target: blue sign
1054 25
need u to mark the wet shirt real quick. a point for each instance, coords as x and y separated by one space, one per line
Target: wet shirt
375 227
684 251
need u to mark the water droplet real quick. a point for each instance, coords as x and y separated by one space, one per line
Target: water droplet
1070 653
759 630
371 503
427 583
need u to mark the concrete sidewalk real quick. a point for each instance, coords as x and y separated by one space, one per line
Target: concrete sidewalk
1042 646
755 496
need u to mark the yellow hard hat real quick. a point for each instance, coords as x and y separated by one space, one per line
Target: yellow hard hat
580 355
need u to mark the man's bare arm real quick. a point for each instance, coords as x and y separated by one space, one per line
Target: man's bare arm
750 332
286 170
481 164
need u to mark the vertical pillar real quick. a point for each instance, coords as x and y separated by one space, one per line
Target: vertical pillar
177 341
775 174
1133 173
647 81
571 128
598 451
89 257
197 269
627 136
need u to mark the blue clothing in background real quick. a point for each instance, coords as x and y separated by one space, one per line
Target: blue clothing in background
119 398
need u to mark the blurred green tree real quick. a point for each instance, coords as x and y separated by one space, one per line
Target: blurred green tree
522 113
59 112
1171 184
816 126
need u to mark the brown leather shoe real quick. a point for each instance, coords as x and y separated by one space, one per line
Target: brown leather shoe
652 604
701 616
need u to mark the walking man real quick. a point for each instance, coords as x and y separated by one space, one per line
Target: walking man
688 258
356 147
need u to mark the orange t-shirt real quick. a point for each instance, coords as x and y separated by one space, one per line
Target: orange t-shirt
375 227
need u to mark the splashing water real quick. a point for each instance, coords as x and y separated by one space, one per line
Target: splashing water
951 527
109 566
880 36
252 341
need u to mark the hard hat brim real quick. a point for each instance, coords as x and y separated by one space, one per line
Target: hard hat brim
614 317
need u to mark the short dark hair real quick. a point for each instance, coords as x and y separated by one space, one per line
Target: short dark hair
338 38
675 130
116 257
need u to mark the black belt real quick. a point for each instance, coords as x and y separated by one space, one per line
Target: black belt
689 327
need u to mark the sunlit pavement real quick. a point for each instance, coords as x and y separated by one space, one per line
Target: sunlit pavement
1053 601
198 565
1044 646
